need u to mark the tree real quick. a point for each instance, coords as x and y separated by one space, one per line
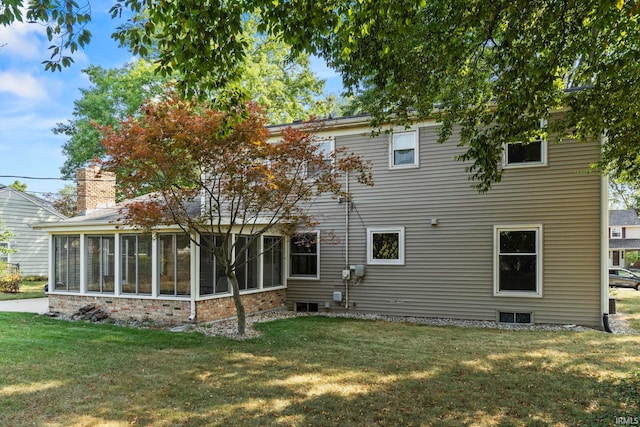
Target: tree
5 237
187 155
65 201
114 95
20 186
493 68
285 86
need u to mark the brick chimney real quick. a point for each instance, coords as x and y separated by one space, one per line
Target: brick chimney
96 189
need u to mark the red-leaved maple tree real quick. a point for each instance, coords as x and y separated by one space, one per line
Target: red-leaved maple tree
216 173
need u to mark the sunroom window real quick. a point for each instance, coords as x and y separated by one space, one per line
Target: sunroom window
66 266
174 264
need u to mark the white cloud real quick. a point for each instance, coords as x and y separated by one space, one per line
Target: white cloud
23 40
22 85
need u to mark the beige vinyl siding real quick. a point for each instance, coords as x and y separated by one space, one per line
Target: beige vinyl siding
19 212
448 269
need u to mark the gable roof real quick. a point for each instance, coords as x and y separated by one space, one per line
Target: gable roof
623 217
44 204
111 215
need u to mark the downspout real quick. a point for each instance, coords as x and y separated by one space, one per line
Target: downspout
604 246
346 238
195 268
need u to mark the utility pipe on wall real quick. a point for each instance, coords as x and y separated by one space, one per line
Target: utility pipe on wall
346 238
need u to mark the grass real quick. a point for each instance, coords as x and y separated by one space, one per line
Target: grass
628 304
28 289
313 371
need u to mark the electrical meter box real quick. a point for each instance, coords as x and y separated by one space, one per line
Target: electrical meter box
358 270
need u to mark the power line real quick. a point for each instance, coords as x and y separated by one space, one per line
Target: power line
35 177
56 179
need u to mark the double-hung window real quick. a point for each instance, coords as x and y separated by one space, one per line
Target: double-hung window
519 154
325 148
518 260
385 246
304 256
403 149
4 251
616 232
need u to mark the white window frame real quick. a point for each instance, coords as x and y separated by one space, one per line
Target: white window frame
376 230
619 232
496 260
5 257
318 142
290 275
416 150
543 153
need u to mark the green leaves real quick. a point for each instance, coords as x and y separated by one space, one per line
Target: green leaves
489 67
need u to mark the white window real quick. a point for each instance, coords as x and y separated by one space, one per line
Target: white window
304 256
616 232
4 251
326 147
518 154
385 246
403 151
518 260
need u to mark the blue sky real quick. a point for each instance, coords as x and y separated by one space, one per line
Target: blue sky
32 100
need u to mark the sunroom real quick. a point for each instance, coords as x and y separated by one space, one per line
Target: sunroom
165 276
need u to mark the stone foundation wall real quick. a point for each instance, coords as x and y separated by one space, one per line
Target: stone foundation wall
167 311
223 308
161 311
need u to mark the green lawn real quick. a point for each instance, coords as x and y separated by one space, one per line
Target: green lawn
28 289
313 371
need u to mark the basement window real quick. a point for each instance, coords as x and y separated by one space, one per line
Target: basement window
307 307
515 317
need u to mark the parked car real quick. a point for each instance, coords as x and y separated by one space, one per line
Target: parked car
623 278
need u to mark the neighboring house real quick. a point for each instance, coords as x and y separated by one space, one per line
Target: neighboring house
420 242
19 211
624 238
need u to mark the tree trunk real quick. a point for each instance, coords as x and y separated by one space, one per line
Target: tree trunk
238 302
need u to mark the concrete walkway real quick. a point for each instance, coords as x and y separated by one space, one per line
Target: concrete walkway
32 305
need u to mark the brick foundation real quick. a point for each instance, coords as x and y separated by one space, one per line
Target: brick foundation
167 311
223 308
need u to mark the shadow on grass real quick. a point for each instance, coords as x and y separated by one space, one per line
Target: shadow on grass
313 371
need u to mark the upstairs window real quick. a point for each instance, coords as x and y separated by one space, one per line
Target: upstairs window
326 148
403 149
616 232
519 154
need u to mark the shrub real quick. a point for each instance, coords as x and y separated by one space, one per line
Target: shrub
10 283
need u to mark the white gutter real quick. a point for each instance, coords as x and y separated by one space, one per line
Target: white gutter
604 246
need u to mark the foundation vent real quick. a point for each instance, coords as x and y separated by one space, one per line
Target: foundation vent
515 317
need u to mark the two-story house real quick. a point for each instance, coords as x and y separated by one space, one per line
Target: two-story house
420 242
624 239
29 247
